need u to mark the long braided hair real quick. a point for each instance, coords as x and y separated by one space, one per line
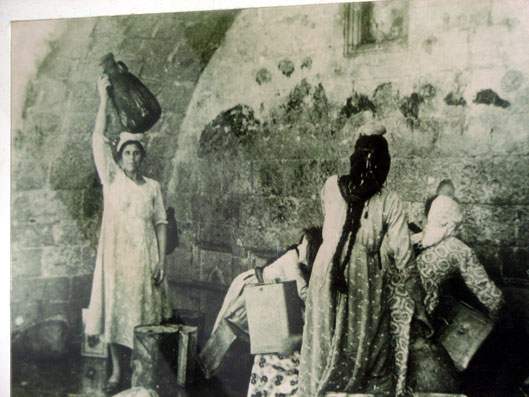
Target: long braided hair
369 168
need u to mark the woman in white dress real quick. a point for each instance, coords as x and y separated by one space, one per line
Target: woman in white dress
129 286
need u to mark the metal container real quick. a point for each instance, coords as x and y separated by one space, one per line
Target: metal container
465 332
275 321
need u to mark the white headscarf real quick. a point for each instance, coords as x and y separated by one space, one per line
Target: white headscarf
126 136
373 128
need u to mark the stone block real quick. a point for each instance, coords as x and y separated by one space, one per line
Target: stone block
216 208
180 265
515 262
309 213
182 203
330 167
214 234
185 176
27 173
237 176
50 309
66 233
24 314
74 46
37 206
56 289
81 287
187 234
184 298
61 261
139 26
503 180
489 257
488 224
209 180
54 66
88 259
27 289
282 211
51 94
464 173
84 103
215 266
74 167
521 225
26 261
302 178
169 26
41 129
407 177
270 177
32 235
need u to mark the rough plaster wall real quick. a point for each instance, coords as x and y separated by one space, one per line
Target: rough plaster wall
283 74
56 193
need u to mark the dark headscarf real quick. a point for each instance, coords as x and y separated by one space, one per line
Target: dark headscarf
369 168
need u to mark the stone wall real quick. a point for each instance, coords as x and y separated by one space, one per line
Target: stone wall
276 111
259 107
57 196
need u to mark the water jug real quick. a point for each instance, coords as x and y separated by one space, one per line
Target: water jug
137 107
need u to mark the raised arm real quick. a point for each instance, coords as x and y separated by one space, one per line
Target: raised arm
479 282
102 152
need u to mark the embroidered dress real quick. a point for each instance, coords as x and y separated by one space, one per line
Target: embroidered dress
358 341
124 294
274 375
445 256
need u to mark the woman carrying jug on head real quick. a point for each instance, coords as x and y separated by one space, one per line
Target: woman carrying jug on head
129 286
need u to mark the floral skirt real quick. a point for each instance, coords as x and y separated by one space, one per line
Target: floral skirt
274 375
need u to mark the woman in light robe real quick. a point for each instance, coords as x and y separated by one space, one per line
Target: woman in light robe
359 307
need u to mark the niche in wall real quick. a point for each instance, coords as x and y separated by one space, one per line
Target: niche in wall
375 25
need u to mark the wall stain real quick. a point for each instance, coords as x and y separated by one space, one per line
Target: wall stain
286 66
357 103
489 97
453 99
263 76
228 130
306 63
409 107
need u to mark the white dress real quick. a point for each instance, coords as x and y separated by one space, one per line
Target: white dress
124 294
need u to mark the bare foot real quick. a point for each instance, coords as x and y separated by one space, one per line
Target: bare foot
112 384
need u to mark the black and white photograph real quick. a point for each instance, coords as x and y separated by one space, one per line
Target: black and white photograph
312 200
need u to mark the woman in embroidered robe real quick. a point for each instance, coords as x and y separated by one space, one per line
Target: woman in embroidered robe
359 307
129 286
444 255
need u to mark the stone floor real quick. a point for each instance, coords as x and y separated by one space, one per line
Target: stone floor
78 376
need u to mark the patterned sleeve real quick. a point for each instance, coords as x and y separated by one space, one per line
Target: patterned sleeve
479 282
160 215
105 164
402 281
